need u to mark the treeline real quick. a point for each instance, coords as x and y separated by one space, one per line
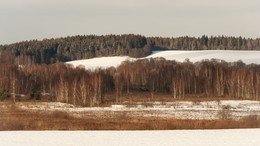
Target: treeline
79 86
204 43
50 51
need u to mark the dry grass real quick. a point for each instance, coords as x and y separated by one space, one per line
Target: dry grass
252 118
15 119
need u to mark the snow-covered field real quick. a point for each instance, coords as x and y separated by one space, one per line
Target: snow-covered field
247 57
204 110
243 137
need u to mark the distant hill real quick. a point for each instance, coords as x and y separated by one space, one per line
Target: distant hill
50 51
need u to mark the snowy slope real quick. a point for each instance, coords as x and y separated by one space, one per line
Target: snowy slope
247 57
227 55
236 137
100 62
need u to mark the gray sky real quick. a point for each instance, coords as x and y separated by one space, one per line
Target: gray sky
38 19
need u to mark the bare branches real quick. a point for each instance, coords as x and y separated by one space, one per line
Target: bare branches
89 88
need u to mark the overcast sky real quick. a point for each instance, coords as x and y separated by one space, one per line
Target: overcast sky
38 19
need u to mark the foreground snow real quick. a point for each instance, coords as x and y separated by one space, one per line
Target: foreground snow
176 137
204 110
247 57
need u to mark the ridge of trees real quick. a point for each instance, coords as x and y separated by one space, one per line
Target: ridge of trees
204 43
49 51
214 78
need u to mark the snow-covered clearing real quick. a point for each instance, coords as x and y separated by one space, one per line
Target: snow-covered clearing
201 110
101 62
247 57
177 137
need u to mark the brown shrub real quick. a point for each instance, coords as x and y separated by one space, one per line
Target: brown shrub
224 114
196 102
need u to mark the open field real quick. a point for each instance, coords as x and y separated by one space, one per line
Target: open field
191 110
131 116
247 57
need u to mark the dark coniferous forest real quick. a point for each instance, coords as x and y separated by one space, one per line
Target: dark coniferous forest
50 51
35 69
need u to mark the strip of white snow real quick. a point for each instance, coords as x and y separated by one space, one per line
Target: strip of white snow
243 137
247 57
